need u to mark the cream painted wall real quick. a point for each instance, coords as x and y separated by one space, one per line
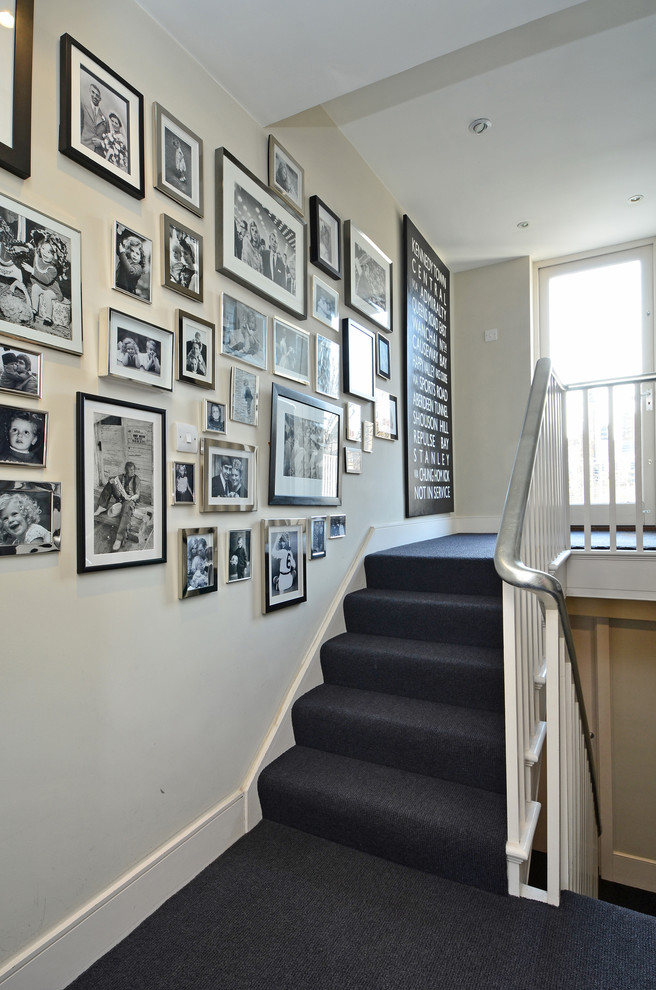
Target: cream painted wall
124 713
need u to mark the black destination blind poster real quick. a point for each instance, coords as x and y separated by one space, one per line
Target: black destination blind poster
428 448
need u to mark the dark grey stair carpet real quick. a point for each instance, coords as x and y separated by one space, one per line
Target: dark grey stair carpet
461 563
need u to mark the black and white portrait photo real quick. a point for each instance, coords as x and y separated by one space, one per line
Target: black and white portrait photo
291 347
23 436
215 417
244 396
239 555
183 259
284 556
325 238
104 120
327 367
337 527
20 371
230 476
243 332
133 255
325 304
184 483
286 176
318 528
200 561
370 280
30 517
178 161
284 563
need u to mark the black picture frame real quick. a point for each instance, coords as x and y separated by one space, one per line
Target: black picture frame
305 459
358 359
284 563
16 156
111 146
383 356
325 238
198 558
196 350
111 433
316 537
183 483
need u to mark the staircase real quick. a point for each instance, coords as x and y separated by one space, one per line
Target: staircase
400 753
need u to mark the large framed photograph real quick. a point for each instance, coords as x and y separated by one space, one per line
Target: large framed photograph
30 517
182 259
386 413
23 436
16 87
196 348
21 371
383 369
197 552
178 160
101 119
244 396
359 359
291 352
304 465
183 483
134 350
325 238
228 476
214 416
238 559
283 556
260 242
243 332
368 277
317 537
133 263
286 176
40 278
327 367
325 304
121 484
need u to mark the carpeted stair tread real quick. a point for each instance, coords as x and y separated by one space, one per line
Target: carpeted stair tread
459 744
430 824
462 563
472 619
452 673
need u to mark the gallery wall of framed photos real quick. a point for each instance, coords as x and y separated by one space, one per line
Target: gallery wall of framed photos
156 282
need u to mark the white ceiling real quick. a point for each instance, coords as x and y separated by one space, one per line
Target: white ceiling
570 88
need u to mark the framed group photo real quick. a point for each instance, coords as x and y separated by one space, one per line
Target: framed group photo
286 177
16 87
21 371
40 266
260 241
291 352
134 350
304 463
121 484
182 259
101 119
23 436
228 477
325 238
243 332
198 552
238 558
359 359
178 160
30 517
196 348
133 263
368 277
283 556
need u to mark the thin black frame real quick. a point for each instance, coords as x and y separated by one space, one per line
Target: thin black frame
184 375
16 157
276 525
383 345
316 206
85 403
67 114
192 203
174 477
312 553
354 362
280 393
184 591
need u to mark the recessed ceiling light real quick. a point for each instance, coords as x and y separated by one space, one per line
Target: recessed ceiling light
480 125
522 224
636 198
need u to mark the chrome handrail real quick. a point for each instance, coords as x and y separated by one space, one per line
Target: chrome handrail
507 554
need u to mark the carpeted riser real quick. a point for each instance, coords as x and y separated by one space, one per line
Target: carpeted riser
450 576
455 744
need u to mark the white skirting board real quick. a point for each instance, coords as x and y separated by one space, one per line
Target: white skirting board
59 956
634 871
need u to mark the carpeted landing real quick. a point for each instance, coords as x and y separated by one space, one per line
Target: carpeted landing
285 910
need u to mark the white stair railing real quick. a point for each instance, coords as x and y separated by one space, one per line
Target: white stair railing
542 684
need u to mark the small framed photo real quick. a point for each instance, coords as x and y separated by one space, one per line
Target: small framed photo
325 304
238 558
23 436
121 484
352 460
101 119
178 161
198 562
317 537
325 238
291 352
359 359
337 527
134 350
386 416
214 416
133 262
327 367
40 260
368 437
183 488
229 477
196 348
16 85
368 277
383 356
286 176
30 517
243 332
353 421
305 449
21 371
182 258
283 555
244 396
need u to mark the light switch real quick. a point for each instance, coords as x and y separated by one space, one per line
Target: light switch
491 335
186 438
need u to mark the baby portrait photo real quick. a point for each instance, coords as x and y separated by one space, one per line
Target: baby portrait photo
133 256
30 517
23 436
